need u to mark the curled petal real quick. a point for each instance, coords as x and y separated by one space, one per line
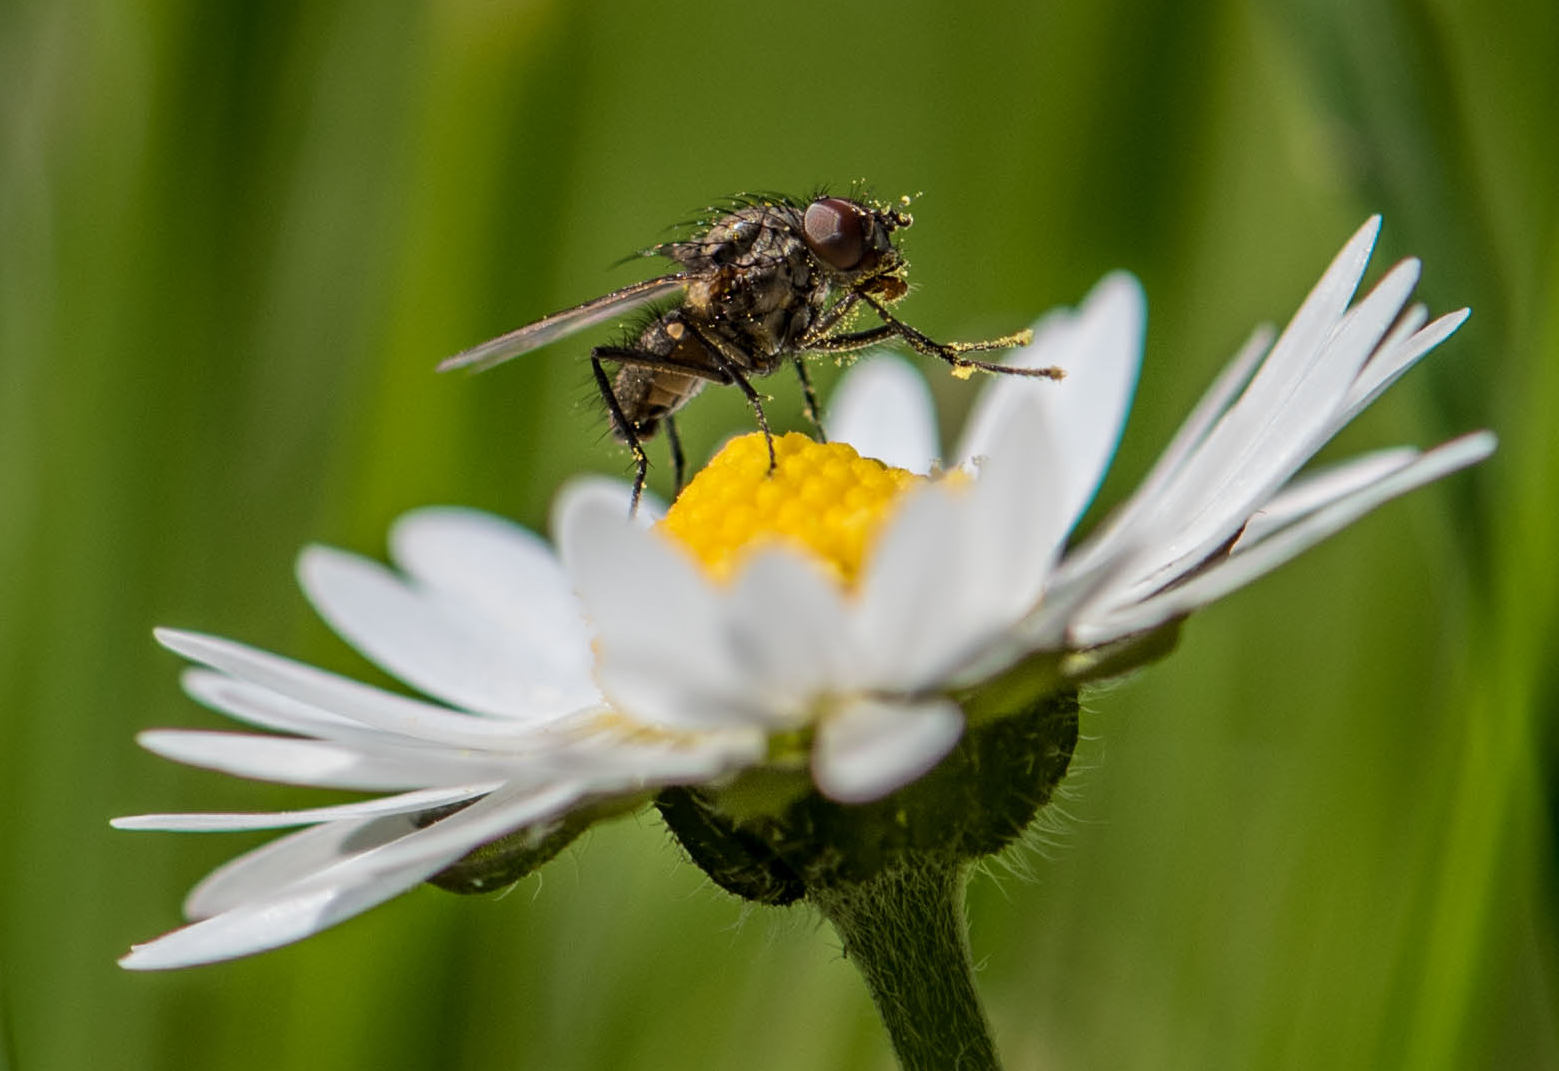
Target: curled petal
869 747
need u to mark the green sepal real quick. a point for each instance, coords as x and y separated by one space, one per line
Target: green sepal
498 864
738 861
978 800
1123 655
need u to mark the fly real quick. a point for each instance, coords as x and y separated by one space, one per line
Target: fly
769 282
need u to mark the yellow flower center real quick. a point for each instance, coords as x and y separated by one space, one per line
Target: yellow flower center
822 497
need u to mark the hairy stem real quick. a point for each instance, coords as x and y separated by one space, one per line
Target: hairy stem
904 930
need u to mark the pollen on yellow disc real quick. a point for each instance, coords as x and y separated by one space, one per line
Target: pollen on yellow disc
823 497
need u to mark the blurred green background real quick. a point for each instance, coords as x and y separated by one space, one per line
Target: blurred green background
236 237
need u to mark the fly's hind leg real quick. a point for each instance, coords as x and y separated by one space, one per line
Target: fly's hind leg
628 429
632 432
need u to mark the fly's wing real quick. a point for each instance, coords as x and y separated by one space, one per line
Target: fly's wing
560 324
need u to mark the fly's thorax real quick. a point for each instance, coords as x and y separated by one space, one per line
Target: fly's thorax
747 236
755 285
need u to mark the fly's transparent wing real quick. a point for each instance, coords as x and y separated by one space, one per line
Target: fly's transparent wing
559 324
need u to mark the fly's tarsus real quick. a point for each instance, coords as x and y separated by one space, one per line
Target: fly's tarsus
952 352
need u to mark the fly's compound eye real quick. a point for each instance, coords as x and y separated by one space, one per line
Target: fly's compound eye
835 230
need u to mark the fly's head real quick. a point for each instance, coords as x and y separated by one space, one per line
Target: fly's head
853 242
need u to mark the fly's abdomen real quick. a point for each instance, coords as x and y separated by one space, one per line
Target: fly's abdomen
648 393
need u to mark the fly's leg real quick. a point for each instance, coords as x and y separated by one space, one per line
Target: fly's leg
734 374
814 414
952 352
830 319
753 398
624 427
645 359
678 461
629 429
855 340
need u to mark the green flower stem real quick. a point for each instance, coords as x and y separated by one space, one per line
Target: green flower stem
904 930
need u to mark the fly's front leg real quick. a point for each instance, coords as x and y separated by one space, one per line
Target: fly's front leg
829 320
855 340
628 429
952 352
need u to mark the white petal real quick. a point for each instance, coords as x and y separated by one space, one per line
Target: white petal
262 872
502 571
959 565
343 697
292 914
307 855
658 618
1070 590
869 748
345 888
1280 420
883 409
786 629
289 761
1019 513
404 803
1270 432
1239 569
914 612
1105 541
255 705
1100 348
450 646
617 764
511 808
613 496
1395 358
1310 492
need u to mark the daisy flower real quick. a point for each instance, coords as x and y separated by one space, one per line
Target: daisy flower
868 655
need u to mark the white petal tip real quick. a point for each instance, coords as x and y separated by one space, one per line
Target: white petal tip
172 638
134 960
1119 287
587 502
1356 253
152 957
883 408
315 556
195 646
1478 445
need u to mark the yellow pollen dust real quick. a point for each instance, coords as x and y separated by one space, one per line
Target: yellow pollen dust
822 497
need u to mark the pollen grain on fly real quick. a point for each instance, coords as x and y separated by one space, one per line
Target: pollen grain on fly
822 497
